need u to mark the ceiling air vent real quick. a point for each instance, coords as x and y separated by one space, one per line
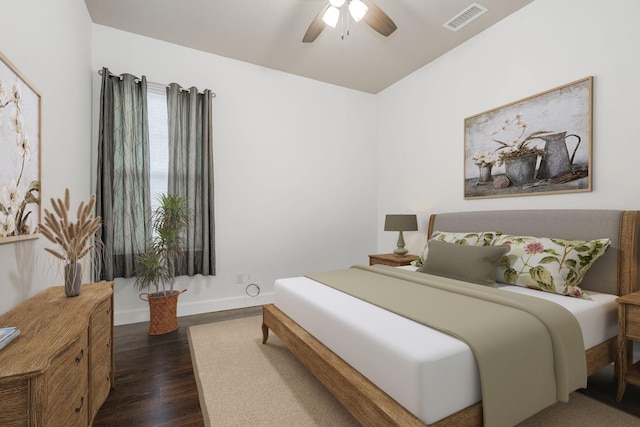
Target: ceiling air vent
464 17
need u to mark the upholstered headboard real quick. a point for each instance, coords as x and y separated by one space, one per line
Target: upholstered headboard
616 272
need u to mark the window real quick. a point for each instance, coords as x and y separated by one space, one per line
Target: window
134 170
158 142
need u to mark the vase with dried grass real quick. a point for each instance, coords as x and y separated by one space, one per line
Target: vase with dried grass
74 239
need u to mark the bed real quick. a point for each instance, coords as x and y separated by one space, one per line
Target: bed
615 273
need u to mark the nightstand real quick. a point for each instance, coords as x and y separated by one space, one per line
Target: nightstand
628 331
391 259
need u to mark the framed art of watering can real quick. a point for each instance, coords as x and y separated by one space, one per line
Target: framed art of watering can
537 145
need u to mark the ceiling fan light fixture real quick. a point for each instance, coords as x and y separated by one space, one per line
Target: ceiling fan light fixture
357 9
334 11
331 16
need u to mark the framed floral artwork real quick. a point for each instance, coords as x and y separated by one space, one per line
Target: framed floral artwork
20 108
537 145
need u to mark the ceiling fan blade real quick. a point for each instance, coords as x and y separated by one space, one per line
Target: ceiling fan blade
316 26
378 20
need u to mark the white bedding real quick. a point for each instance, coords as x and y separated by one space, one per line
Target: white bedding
431 374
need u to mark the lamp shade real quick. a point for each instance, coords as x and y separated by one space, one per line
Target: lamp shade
357 10
401 223
331 16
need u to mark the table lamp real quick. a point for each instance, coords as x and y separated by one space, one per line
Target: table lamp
401 223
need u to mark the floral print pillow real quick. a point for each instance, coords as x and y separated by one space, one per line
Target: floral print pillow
471 238
548 264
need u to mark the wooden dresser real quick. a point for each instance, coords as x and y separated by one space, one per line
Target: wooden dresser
59 371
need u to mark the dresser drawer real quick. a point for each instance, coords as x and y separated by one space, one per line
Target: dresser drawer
14 397
101 318
67 385
100 373
100 388
100 369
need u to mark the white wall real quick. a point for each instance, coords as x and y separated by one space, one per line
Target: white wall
546 44
295 170
50 43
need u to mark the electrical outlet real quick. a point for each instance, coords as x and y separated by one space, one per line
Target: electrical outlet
253 289
239 278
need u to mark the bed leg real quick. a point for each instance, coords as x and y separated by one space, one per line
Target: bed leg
265 333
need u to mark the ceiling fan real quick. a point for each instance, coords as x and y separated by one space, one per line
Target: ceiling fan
358 9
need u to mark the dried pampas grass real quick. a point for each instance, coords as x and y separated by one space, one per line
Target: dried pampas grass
74 239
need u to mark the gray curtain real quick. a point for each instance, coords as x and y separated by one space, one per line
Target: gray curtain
191 173
122 192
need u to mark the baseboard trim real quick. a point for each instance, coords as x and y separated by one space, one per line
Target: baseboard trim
126 317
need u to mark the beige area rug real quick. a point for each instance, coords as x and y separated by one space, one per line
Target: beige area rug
243 383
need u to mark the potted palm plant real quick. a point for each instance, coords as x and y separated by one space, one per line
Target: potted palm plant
157 267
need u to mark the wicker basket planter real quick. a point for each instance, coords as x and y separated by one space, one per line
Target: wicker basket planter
162 311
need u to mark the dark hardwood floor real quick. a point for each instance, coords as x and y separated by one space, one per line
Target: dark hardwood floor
154 381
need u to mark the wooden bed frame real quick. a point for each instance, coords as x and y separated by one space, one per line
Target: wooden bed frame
373 407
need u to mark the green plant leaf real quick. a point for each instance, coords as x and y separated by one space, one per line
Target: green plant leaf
504 262
510 275
551 251
542 276
572 276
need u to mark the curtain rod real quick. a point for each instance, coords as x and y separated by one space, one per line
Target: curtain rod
213 94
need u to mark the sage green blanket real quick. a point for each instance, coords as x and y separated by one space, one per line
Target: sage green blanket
529 351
